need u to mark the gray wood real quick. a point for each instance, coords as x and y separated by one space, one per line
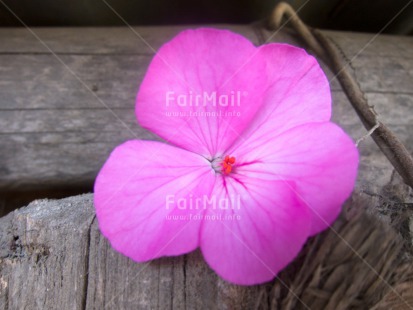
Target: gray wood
52 256
98 40
382 65
55 131
44 254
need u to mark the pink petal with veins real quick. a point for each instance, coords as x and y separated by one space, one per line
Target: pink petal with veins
198 63
137 194
257 235
319 158
298 92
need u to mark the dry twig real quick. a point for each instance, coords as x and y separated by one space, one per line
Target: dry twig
387 141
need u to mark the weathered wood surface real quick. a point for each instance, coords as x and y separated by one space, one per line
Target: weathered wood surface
52 256
56 132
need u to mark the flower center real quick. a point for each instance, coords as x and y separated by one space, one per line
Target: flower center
227 164
223 166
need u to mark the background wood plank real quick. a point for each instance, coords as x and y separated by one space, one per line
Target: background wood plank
99 40
56 133
382 65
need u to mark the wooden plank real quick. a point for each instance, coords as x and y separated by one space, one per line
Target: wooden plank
385 74
52 255
57 147
67 262
395 111
60 147
374 46
40 81
382 65
99 40
32 266
56 133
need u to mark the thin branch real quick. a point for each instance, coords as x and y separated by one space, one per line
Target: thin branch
387 141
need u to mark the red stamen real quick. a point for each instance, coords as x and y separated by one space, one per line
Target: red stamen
227 164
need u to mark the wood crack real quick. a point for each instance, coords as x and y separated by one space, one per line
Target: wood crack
87 264
6 299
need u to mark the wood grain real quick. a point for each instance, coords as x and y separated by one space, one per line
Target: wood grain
53 256
52 253
55 133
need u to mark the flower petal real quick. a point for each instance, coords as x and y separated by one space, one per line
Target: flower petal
195 64
139 194
261 231
298 92
319 158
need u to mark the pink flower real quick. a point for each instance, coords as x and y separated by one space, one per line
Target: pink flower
246 177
